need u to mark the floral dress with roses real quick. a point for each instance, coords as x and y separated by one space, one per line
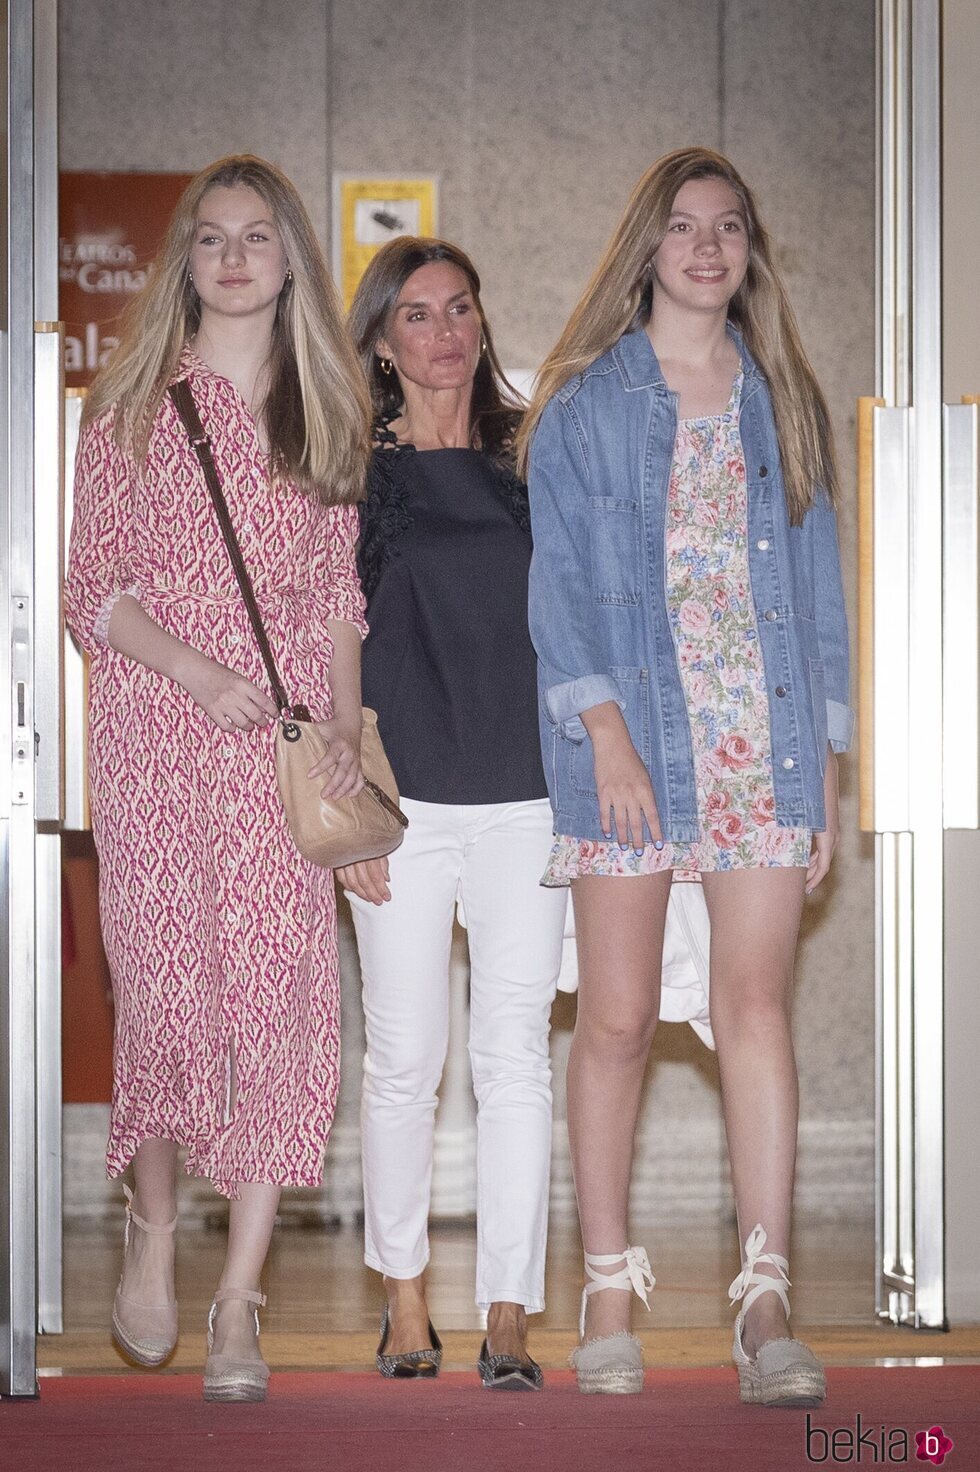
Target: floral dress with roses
712 615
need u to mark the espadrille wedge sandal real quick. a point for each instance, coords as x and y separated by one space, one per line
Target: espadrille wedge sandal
227 1378
784 1372
146 1332
613 1364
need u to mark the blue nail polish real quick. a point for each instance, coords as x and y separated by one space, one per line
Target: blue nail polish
623 847
658 845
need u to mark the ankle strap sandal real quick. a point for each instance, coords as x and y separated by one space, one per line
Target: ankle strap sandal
145 1332
225 1377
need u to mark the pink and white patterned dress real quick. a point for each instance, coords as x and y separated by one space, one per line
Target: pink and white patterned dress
713 619
221 939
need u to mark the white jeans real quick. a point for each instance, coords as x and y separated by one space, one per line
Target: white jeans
491 857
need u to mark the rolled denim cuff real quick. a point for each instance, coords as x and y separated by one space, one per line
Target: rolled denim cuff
840 725
565 703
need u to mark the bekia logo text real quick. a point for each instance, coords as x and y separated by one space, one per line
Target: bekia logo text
874 1445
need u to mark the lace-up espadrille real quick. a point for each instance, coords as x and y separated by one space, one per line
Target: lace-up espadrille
146 1332
613 1364
784 1372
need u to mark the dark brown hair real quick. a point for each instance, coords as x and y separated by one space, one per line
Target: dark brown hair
495 407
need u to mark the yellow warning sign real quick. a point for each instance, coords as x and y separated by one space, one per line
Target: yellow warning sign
368 212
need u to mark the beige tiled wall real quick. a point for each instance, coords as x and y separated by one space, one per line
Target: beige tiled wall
539 117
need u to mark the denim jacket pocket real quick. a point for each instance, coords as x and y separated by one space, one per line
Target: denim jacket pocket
818 696
615 528
635 687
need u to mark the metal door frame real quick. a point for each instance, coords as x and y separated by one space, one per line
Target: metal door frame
902 683
49 524
18 1142
31 808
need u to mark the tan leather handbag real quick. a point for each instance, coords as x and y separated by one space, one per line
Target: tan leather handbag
344 830
332 832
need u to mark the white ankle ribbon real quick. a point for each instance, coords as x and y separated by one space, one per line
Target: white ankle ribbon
637 1273
641 1273
749 1278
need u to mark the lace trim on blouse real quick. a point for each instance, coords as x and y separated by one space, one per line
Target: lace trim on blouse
384 514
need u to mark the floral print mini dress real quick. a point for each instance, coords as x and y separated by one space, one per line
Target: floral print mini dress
713 618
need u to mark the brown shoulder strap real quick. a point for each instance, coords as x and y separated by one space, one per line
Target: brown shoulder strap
183 398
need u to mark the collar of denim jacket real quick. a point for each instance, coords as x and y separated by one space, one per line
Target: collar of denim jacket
639 367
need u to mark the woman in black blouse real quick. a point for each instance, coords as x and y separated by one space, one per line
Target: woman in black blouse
449 667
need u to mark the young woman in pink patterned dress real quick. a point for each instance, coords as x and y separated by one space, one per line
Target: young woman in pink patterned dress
221 939
688 614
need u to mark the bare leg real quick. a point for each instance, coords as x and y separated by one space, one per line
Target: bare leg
148 1270
251 1220
619 923
409 1319
755 922
407 1313
507 1329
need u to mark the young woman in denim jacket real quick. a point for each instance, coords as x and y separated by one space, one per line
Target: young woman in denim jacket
688 615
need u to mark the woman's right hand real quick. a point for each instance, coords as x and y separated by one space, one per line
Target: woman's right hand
228 698
622 781
368 880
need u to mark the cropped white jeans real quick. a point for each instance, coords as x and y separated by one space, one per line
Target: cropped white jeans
490 857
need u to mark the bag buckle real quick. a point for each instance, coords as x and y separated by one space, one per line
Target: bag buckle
289 715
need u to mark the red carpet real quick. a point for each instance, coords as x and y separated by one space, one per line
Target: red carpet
346 1423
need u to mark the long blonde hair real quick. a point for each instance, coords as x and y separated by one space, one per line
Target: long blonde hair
619 297
317 409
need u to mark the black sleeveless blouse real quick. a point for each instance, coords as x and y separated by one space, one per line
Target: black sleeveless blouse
448 664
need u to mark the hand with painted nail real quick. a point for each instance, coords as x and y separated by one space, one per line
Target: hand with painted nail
626 800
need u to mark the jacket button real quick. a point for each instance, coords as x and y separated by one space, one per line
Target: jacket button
763 472
763 545
780 691
770 615
788 763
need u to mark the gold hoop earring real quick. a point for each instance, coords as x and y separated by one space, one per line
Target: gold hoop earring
385 365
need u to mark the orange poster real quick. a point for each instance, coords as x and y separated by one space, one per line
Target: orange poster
109 229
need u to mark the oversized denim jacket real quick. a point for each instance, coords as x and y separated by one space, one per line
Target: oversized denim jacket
599 474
